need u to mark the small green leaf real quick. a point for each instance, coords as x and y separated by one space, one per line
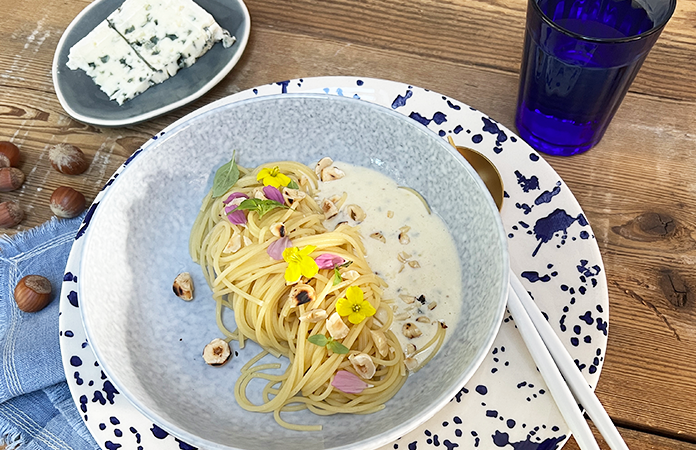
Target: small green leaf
225 177
293 185
337 347
318 339
249 204
260 206
337 278
267 206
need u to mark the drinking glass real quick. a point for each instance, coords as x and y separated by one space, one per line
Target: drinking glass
580 57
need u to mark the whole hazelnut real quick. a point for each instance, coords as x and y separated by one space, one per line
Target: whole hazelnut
67 203
67 159
10 214
9 154
11 178
32 293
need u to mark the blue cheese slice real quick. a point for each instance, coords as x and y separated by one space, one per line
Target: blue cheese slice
155 38
112 63
168 34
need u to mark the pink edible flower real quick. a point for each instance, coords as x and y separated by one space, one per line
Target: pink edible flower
348 382
235 216
233 196
273 193
275 249
329 261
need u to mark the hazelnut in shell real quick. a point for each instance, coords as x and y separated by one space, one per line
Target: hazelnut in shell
67 203
9 154
11 178
67 159
32 293
10 214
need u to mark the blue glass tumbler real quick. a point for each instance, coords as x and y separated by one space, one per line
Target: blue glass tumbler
580 57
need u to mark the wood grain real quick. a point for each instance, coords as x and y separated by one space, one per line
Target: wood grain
637 187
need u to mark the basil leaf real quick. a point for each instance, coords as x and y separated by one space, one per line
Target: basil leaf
268 205
318 339
337 347
260 206
249 204
337 278
293 185
225 177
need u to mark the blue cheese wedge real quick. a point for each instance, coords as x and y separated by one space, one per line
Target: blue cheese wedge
112 63
168 34
164 35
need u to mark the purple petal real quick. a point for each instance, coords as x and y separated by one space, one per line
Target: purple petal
235 216
275 249
233 196
328 261
272 193
348 382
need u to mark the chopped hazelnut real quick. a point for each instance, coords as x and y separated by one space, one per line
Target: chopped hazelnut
379 236
323 163
183 286
363 365
336 327
217 352
314 316
410 330
329 208
380 342
278 229
293 195
332 173
411 363
302 293
355 213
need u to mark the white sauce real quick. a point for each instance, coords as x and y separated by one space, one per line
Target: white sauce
388 208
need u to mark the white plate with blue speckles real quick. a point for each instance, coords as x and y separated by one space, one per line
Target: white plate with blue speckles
84 101
552 249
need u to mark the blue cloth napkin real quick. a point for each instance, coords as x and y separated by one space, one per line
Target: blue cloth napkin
36 408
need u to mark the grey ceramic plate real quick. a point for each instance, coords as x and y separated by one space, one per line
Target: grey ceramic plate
135 240
84 101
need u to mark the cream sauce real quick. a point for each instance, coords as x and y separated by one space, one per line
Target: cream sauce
432 289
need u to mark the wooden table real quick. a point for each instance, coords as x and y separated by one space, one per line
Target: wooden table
637 187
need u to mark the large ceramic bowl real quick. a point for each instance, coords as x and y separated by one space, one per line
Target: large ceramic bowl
136 241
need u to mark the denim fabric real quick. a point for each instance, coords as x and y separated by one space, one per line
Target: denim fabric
36 409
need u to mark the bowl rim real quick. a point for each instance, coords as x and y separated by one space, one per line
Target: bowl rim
375 441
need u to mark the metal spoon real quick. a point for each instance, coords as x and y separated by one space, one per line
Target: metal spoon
486 170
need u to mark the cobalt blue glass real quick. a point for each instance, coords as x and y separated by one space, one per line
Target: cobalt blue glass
580 57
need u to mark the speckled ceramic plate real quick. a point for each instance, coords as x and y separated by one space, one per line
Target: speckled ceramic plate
84 101
552 249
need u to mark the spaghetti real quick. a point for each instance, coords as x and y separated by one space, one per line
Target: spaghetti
324 321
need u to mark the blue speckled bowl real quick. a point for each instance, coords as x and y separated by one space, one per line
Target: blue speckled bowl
136 241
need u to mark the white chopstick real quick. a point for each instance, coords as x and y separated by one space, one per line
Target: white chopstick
564 362
549 371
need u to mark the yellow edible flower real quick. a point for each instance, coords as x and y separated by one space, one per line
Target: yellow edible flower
299 263
273 177
355 306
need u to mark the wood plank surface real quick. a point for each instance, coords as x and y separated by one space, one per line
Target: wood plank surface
637 187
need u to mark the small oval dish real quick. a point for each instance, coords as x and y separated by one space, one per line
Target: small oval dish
84 101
